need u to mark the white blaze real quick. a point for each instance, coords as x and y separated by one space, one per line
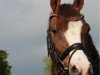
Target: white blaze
73 35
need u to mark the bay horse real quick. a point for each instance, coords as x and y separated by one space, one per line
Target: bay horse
69 43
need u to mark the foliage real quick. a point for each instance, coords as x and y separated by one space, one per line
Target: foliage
47 65
5 69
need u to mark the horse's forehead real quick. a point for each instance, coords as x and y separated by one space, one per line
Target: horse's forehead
63 25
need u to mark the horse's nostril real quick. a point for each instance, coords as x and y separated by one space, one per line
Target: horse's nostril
74 69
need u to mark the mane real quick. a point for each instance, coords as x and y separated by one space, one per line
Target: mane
68 11
92 51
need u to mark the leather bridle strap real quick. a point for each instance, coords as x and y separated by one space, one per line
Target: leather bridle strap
59 59
76 46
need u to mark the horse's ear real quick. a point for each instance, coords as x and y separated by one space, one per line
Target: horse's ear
55 5
78 4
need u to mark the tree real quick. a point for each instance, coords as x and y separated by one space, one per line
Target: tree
5 68
47 65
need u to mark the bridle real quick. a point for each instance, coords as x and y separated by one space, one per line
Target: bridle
53 51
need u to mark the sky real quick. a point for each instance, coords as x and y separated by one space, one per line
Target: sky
23 26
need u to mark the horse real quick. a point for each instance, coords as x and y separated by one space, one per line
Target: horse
69 42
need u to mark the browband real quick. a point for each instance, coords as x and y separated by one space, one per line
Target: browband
69 19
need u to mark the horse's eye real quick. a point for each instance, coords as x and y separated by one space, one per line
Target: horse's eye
54 31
